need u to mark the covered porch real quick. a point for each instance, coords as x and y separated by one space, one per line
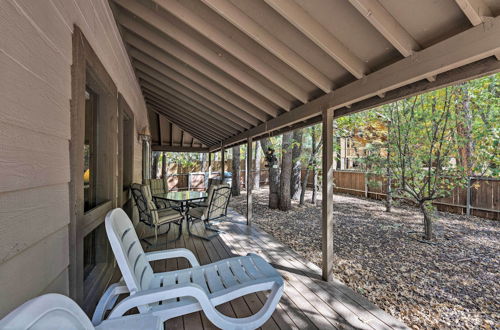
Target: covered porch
91 88
308 301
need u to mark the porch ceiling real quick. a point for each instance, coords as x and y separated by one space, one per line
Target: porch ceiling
225 70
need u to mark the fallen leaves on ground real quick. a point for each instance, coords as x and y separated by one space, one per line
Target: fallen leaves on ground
453 283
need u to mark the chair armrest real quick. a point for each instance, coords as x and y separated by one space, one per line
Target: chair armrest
173 253
154 295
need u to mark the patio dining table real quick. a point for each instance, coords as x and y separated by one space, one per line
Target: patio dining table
183 198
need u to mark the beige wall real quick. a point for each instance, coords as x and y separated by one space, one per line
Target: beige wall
35 89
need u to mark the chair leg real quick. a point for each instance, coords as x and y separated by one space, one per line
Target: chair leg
207 238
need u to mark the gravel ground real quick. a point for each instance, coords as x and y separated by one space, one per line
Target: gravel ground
454 283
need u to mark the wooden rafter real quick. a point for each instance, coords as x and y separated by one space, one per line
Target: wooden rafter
175 112
383 21
232 47
161 97
152 67
146 72
477 12
436 59
196 63
179 149
158 22
248 26
299 18
182 121
199 83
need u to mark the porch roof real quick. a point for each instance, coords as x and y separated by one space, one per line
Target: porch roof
222 71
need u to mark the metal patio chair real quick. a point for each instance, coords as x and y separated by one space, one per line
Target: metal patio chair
216 208
151 216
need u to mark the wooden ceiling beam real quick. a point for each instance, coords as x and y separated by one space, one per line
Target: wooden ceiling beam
467 47
218 121
248 26
145 54
231 46
132 28
177 111
160 135
184 123
153 67
200 116
180 121
477 12
198 104
182 90
299 18
179 149
153 19
387 25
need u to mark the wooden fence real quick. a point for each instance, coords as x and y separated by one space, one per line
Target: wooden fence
481 198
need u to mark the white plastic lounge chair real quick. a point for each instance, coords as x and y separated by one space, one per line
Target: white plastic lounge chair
55 311
189 290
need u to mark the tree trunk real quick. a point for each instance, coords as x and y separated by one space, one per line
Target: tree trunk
164 165
256 178
304 186
285 202
388 202
203 162
274 176
235 180
428 235
154 166
295 185
315 184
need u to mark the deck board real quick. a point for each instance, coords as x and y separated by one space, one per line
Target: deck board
307 303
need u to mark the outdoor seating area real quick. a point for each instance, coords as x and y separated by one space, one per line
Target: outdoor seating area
125 125
307 302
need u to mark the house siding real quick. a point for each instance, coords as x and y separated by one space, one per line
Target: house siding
35 92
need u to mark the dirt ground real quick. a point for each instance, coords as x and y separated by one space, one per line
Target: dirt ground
453 283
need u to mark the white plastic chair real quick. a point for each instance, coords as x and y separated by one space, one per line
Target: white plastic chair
189 290
55 311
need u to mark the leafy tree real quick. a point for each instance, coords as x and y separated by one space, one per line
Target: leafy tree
274 172
423 149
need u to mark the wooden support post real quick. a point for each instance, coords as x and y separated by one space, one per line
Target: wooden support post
248 184
327 196
146 157
209 165
222 164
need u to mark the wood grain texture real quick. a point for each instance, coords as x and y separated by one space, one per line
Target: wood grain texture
25 276
31 159
29 216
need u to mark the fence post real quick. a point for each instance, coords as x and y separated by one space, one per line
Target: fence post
189 181
366 184
468 195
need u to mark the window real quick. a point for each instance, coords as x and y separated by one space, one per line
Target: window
89 151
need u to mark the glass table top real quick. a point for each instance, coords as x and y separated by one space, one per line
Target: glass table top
182 196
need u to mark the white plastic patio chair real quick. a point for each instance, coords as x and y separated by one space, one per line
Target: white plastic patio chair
55 311
189 290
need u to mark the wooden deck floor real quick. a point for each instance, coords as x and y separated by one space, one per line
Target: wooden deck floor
308 302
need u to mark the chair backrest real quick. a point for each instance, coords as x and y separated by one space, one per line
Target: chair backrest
158 186
145 204
135 269
212 182
50 311
218 200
